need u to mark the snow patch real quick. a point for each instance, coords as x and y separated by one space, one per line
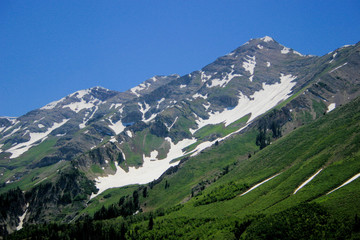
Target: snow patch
207 106
307 181
161 100
338 67
198 95
83 124
21 218
182 86
297 53
249 65
117 127
259 46
347 182
116 105
140 87
82 104
40 126
204 77
268 64
224 81
331 107
151 169
285 50
129 133
143 110
259 184
333 57
19 149
267 39
171 124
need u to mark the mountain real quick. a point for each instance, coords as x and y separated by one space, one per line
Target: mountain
254 95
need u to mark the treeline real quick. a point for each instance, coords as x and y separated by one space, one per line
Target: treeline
305 221
126 206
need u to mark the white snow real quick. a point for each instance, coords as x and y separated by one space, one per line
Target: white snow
205 77
285 50
82 104
259 46
19 149
140 87
257 104
21 218
151 169
12 132
249 65
259 184
331 107
182 85
297 53
224 81
83 124
207 106
307 181
268 64
198 95
116 105
143 110
40 125
117 127
267 39
333 57
338 67
347 182
171 124
161 100
129 133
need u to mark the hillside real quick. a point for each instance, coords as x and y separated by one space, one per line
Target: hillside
275 184
197 140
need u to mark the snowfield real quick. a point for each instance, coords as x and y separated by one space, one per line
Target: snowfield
151 169
257 104
117 127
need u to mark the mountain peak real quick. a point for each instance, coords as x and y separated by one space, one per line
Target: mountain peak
267 39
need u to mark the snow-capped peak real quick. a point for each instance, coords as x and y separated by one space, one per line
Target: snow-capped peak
267 39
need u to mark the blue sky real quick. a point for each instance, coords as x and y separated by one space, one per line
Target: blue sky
49 49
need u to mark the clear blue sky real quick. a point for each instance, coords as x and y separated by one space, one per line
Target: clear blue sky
49 49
